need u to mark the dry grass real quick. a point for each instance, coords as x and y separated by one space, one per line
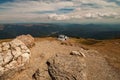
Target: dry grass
5 40
45 38
84 41
110 49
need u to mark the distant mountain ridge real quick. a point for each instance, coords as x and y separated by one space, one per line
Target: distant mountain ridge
1 27
96 31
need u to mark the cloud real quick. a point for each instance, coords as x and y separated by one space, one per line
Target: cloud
95 15
58 17
49 10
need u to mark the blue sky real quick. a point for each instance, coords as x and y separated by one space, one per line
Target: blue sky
72 11
2 1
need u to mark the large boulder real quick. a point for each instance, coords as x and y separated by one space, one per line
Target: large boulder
67 67
14 55
28 40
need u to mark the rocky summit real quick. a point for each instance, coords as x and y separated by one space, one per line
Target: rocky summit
28 58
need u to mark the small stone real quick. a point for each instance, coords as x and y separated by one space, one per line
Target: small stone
75 53
78 53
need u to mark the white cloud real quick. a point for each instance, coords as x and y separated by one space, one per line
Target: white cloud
96 15
28 10
58 17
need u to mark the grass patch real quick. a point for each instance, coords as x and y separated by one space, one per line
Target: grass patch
86 41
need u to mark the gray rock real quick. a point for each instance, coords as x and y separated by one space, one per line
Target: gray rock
67 67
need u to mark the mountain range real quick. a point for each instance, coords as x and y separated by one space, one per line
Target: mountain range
96 31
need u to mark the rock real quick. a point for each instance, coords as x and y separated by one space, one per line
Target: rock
7 57
41 73
1 70
67 67
16 43
19 60
14 56
23 47
77 53
81 52
36 75
5 46
25 57
0 49
12 65
28 40
1 59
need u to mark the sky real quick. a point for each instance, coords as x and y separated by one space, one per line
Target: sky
67 11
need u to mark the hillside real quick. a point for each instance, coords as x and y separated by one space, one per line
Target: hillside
102 59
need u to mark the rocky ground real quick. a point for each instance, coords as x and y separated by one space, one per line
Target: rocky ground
52 60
